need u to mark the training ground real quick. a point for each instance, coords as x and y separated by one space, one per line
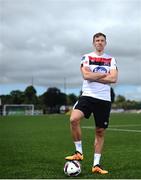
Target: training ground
34 147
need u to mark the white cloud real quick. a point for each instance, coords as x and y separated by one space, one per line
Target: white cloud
45 39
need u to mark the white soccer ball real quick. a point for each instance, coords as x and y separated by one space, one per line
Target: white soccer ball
72 168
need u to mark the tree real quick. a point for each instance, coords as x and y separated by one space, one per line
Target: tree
53 99
6 99
72 98
120 99
30 95
16 97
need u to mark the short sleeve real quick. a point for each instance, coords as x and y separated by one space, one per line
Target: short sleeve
84 61
113 64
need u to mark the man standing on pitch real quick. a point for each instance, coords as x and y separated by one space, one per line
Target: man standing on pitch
99 70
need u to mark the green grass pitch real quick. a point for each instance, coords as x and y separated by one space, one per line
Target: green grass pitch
34 147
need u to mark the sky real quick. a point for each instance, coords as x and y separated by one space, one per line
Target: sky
42 42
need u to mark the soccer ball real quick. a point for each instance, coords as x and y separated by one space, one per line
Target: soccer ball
72 168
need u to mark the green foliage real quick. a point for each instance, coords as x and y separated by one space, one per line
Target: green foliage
30 96
17 97
121 102
120 99
53 97
51 100
71 99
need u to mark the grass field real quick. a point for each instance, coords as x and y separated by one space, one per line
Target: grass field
35 147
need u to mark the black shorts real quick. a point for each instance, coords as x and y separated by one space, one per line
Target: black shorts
99 108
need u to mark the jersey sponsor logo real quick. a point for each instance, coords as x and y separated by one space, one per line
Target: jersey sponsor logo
99 61
100 69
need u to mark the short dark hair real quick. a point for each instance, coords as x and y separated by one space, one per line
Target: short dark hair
99 34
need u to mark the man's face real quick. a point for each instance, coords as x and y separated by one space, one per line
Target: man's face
99 43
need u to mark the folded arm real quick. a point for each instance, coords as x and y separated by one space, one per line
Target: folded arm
104 78
91 76
110 78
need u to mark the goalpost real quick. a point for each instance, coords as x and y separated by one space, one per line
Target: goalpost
18 109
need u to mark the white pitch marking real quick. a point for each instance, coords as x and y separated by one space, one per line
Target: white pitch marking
125 125
124 130
115 129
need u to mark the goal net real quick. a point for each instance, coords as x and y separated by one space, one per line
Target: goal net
18 109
